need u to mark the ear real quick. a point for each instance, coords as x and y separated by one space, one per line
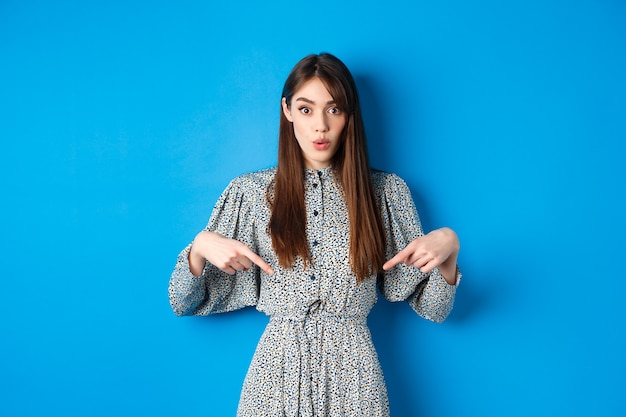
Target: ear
286 110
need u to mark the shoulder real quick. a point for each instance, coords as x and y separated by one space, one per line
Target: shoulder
387 182
250 187
254 180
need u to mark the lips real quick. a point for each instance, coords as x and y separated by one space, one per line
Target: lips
321 144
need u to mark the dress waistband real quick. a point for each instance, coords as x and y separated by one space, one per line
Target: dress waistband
318 311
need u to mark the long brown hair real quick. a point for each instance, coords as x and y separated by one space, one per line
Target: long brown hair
350 165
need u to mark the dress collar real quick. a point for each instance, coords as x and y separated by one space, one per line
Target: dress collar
323 173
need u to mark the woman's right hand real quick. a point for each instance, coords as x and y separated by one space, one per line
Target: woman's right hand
229 255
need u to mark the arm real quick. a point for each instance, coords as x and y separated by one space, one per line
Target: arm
228 255
421 269
215 273
439 248
433 257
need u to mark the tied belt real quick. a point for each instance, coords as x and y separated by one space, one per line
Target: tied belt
317 311
304 354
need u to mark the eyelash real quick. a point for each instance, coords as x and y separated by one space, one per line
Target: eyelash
333 110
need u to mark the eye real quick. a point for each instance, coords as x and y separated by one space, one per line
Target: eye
305 110
334 110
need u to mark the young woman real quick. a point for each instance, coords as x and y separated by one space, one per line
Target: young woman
308 243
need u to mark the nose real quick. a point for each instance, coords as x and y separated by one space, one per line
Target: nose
321 123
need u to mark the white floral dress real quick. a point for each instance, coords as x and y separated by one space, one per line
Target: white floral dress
316 356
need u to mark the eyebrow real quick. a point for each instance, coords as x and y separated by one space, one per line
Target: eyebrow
306 100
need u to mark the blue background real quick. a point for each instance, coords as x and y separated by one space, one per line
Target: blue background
122 122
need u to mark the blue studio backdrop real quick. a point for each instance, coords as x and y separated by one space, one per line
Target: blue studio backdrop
122 122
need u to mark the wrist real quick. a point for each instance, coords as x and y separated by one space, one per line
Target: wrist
195 259
449 270
449 267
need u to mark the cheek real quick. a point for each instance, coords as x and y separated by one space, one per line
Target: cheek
299 126
296 129
298 133
340 125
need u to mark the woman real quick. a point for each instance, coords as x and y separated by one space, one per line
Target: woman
308 243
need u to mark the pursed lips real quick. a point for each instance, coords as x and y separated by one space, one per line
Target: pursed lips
321 143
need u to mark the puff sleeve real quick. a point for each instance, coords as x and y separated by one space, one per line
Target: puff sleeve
216 291
429 295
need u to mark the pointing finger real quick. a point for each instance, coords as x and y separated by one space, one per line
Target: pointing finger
256 259
399 258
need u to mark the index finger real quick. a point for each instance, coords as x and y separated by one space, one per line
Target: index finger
399 258
257 260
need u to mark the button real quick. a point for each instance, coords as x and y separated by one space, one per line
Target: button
315 185
312 277
315 212
315 243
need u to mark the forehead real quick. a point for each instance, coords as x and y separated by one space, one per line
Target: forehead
313 90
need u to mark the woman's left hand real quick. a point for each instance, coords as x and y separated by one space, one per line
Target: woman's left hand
438 248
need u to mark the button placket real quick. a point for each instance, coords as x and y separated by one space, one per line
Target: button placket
315 226
314 211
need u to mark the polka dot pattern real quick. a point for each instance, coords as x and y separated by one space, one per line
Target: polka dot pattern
316 356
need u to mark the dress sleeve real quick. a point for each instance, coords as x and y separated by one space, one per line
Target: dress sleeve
428 294
216 291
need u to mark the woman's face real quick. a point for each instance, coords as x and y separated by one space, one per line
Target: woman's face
317 123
